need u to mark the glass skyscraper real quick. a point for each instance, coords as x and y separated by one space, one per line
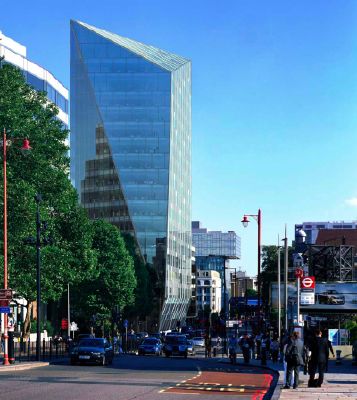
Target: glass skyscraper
131 151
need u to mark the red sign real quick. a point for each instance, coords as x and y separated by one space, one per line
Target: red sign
4 303
308 282
64 323
299 273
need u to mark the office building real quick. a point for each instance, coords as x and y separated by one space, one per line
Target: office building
131 150
208 286
214 249
240 284
16 54
312 228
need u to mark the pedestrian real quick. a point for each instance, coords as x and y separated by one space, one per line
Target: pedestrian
319 348
208 346
264 348
274 350
294 356
245 345
253 346
258 341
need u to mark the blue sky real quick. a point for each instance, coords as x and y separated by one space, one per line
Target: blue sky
274 98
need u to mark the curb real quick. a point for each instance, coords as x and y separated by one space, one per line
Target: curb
22 367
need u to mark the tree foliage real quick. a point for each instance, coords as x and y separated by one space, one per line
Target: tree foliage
90 256
113 281
145 276
269 272
24 112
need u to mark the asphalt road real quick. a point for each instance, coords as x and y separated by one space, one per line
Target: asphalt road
134 377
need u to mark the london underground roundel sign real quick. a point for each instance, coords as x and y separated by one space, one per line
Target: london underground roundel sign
308 282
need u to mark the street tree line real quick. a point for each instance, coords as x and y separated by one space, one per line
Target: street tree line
99 263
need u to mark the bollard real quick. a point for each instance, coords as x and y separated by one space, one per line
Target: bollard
214 351
338 357
11 348
50 349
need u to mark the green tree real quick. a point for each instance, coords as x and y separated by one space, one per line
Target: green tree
251 292
25 112
145 277
113 282
269 272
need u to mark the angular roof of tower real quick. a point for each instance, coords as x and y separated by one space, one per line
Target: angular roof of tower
164 59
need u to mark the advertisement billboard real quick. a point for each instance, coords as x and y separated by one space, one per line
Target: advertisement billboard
329 296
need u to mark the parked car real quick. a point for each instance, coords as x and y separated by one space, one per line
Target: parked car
191 348
92 350
85 336
150 345
198 341
330 297
175 346
141 335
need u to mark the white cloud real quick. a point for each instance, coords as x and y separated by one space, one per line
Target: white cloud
352 202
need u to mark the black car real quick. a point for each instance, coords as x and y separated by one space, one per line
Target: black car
91 350
175 345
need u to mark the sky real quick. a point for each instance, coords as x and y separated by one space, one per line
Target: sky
274 99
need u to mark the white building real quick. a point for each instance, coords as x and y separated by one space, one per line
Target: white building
40 79
208 288
312 228
16 54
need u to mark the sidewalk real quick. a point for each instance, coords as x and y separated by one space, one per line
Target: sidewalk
22 366
340 383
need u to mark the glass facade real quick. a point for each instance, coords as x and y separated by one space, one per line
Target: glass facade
131 150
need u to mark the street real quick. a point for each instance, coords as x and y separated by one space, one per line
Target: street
130 377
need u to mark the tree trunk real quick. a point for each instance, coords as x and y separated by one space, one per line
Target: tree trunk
26 328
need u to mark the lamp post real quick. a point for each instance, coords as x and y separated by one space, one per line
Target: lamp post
245 221
38 199
25 147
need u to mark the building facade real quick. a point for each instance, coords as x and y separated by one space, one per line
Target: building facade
312 228
208 286
131 150
42 80
214 249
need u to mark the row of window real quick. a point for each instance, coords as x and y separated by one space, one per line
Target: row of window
52 94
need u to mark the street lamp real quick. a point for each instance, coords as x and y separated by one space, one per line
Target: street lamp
25 148
245 222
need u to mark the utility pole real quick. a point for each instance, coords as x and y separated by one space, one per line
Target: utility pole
68 313
38 199
279 290
286 263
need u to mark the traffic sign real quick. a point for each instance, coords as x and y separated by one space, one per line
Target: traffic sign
307 298
5 294
64 323
4 303
308 282
125 323
299 273
5 310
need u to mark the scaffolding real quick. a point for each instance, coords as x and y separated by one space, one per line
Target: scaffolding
331 263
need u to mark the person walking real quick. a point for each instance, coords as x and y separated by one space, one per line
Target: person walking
208 346
264 349
294 356
319 348
274 350
245 345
